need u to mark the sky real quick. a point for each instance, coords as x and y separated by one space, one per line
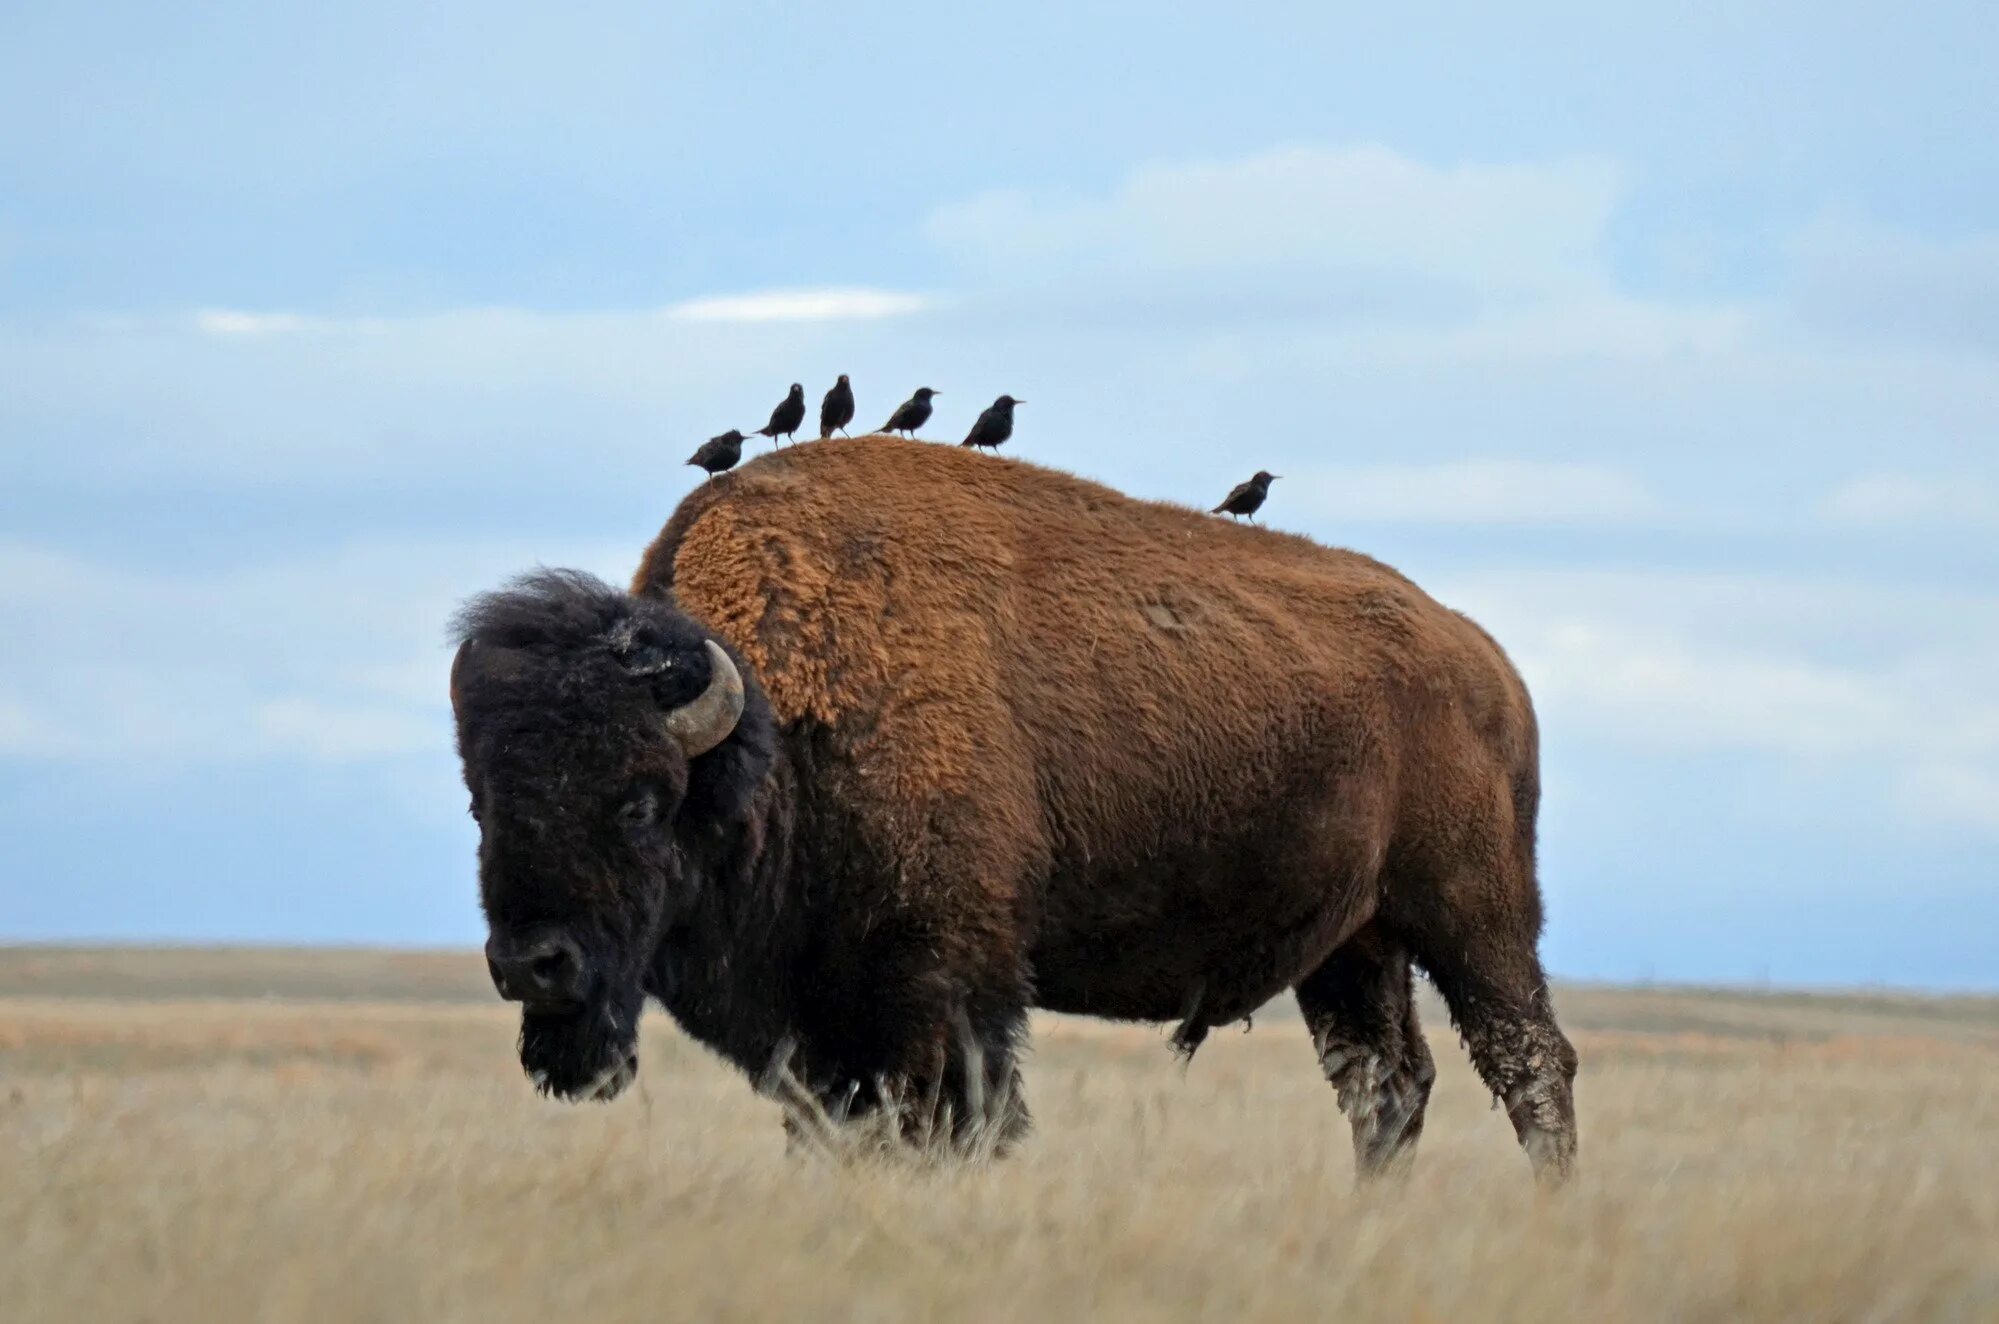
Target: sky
1664 340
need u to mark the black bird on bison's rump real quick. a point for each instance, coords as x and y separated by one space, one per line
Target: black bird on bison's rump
994 426
837 409
719 454
1247 498
912 413
784 419
858 770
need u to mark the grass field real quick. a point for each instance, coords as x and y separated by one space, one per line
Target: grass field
288 1135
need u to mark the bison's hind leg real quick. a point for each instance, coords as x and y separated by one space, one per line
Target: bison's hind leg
1522 1056
1476 940
1359 1008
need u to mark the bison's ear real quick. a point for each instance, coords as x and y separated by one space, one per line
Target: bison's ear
722 782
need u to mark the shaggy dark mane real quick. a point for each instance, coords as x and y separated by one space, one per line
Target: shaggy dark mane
585 626
547 608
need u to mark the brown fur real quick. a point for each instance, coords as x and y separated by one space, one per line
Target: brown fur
1125 759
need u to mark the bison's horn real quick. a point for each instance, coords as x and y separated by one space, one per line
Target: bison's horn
706 720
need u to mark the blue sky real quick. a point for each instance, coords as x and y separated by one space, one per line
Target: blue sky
1665 340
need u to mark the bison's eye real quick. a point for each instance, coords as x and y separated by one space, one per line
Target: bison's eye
640 807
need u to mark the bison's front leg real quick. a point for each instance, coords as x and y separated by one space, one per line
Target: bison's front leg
955 1092
969 1101
942 1083
916 983
961 1097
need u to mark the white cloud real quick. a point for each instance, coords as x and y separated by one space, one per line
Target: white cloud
1896 499
830 304
1954 793
23 733
1475 491
1866 282
235 323
1489 321
339 656
311 729
1584 326
1892 681
1525 226
822 305
1357 252
1675 693
271 398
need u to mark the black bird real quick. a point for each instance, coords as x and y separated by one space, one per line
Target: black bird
719 454
995 425
912 413
837 409
1247 498
784 419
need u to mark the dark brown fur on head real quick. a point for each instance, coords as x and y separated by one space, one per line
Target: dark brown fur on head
562 688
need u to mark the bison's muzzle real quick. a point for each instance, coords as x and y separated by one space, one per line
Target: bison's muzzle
578 1041
543 969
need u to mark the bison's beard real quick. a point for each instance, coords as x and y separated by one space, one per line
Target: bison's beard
590 1053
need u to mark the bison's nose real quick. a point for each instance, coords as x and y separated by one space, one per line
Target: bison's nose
543 969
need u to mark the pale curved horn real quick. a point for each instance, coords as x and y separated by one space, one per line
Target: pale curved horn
706 720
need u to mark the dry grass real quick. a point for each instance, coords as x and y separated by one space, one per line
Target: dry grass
169 1154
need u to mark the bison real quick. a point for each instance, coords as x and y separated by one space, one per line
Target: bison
889 743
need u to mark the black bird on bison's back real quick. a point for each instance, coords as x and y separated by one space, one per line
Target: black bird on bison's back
1246 498
837 409
784 419
719 454
912 413
994 426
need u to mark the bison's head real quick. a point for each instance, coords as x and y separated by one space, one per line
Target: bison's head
600 733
